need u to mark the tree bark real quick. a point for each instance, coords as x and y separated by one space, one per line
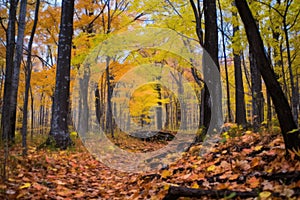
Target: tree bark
59 122
229 116
212 99
6 122
28 69
256 90
240 110
283 110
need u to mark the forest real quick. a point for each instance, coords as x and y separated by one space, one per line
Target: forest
149 99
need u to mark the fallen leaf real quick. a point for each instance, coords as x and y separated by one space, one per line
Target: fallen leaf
257 148
253 182
165 173
195 185
233 177
166 187
255 162
265 194
25 185
211 168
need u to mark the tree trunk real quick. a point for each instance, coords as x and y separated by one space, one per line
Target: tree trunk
240 110
256 89
97 103
295 95
7 132
159 108
229 117
212 99
28 69
210 103
32 113
283 110
269 110
109 121
59 122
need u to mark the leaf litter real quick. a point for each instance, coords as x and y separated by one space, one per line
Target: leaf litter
251 162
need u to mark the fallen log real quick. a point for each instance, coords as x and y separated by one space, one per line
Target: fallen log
175 192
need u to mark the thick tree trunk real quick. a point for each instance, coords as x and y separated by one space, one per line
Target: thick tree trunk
212 99
59 121
283 110
210 103
7 132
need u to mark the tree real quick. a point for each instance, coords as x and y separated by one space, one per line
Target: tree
28 78
256 91
211 103
59 122
229 117
14 53
283 110
240 110
284 10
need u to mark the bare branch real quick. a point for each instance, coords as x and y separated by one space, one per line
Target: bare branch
168 1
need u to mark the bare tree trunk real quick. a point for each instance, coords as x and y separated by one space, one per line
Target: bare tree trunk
295 95
159 108
212 102
59 122
97 103
32 113
240 110
83 102
109 121
7 132
256 88
269 110
28 69
283 110
225 65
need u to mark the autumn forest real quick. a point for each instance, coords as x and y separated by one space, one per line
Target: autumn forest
149 99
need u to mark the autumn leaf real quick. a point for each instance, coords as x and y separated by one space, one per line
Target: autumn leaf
255 162
165 173
25 185
195 185
265 194
253 182
233 177
211 168
257 148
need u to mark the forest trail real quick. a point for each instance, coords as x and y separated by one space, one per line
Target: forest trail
250 164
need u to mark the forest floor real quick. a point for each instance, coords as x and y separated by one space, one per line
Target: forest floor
244 166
